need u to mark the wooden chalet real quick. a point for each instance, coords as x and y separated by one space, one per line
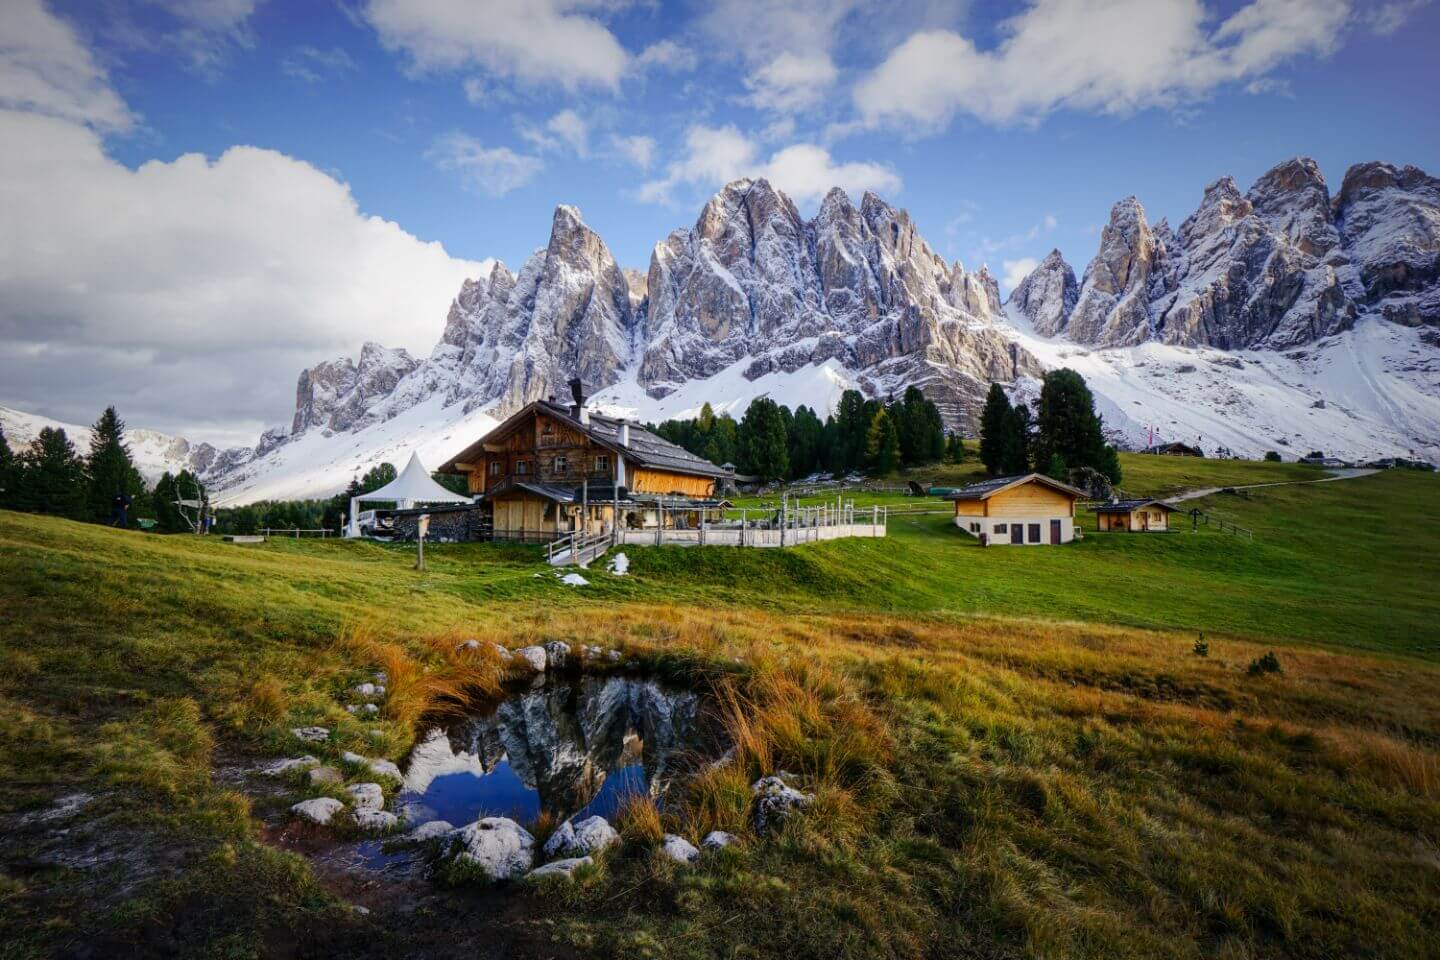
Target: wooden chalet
554 469
1136 516
1174 449
1028 510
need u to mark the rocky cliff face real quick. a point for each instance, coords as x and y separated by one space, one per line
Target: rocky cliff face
1276 267
755 288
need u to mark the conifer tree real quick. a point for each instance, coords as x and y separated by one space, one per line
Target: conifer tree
1068 428
882 444
1019 426
995 431
51 477
9 471
763 443
110 470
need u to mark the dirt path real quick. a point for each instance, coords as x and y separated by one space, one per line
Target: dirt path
1346 473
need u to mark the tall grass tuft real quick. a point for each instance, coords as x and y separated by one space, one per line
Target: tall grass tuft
440 678
639 820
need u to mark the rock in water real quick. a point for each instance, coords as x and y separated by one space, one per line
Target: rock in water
679 849
578 838
319 810
557 654
498 846
774 801
378 821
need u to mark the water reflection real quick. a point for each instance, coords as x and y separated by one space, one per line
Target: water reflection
565 746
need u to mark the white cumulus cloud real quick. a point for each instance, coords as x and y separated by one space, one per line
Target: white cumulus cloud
491 170
45 68
714 156
1014 271
1075 54
533 41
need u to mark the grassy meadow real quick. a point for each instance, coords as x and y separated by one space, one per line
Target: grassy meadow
1015 753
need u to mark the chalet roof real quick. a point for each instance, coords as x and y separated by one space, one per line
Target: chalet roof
645 449
1129 506
986 489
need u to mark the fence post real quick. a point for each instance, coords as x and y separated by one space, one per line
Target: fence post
784 517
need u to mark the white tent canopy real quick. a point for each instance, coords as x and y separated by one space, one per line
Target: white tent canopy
411 487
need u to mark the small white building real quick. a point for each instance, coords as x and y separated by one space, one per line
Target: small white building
1027 510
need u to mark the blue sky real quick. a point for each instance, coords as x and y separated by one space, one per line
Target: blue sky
1005 128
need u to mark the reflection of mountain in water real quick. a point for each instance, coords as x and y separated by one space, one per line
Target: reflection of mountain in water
561 739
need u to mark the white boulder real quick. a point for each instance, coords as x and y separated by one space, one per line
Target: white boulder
319 810
281 767
431 830
718 840
679 849
533 655
774 801
557 654
366 796
379 821
324 775
559 868
498 846
579 838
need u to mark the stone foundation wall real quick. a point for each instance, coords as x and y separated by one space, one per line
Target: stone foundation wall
446 526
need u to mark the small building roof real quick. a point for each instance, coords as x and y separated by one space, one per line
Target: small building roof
986 489
414 485
1130 506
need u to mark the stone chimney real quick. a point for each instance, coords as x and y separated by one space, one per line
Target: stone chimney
577 405
623 435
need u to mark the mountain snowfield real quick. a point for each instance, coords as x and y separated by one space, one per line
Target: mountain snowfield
1276 319
153 452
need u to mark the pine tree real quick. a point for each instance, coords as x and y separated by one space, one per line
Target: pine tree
376 477
51 477
1068 427
111 471
1018 429
763 442
995 431
955 449
852 421
9 471
882 443
806 437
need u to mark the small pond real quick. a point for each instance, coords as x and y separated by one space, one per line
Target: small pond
572 746
567 746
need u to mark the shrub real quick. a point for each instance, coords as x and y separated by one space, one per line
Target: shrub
1201 648
1272 456
1260 666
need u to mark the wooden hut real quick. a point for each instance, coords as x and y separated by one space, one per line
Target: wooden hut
1135 516
552 469
1028 510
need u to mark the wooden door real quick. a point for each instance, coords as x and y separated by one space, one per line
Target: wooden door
1054 531
1017 533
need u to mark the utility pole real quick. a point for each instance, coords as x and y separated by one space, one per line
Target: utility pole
422 526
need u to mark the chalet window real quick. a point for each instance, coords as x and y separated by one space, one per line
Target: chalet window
562 464
522 468
974 528
602 463
1002 528
547 428
494 468
1034 533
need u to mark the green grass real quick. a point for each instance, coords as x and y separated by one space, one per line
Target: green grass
1015 752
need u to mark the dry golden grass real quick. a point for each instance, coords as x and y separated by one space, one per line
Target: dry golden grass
431 677
639 820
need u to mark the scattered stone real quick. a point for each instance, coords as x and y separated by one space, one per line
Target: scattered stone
774 801
324 775
281 767
560 868
431 830
311 734
319 810
369 708
679 849
364 689
578 838
557 654
351 708
718 840
386 768
368 796
505 655
379 821
535 656
381 676
363 911
377 734
468 645
63 807
498 846
613 655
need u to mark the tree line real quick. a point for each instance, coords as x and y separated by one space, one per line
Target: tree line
773 443
1060 438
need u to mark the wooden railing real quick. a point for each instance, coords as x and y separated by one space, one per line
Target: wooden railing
577 548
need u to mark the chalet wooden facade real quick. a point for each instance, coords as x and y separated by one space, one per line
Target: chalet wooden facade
1135 516
553 469
1026 510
